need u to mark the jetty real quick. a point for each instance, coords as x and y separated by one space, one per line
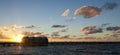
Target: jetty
10 43
43 41
53 43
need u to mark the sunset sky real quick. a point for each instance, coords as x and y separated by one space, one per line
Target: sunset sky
61 17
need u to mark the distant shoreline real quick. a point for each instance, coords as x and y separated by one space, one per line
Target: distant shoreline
55 43
84 42
67 42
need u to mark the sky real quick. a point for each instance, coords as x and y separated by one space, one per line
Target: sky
61 17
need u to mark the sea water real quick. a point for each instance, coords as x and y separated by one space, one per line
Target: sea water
65 49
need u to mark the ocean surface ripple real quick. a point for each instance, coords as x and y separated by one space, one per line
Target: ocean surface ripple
66 49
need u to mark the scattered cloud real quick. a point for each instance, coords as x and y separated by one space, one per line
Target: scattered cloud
113 28
64 30
29 34
55 34
66 36
90 30
20 27
109 6
117 31
32 26
89 37
66 12
105 24
88 11
17 27
8 32
115 35
59 26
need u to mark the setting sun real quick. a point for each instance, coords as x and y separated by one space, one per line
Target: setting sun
18 38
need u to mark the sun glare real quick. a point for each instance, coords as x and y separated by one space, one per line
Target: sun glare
18 38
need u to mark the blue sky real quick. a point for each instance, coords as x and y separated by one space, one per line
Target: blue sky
45 13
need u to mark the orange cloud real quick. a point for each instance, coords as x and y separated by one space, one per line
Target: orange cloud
88 11
90 30
66 12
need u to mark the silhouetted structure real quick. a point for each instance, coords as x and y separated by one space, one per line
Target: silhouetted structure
34 41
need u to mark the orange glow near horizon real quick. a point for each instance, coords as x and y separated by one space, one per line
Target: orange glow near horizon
18 38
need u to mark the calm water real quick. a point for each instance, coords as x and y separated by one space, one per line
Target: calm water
76 49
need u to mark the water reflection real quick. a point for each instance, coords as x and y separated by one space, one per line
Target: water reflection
10 50
78 49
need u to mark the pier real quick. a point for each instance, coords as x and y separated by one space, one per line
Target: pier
9 44
56 43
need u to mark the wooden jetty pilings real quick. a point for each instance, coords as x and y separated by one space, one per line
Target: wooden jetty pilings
9 44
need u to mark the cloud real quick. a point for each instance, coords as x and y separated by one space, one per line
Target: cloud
88 11
89 38
17 27
66 12
66 36
117 31
58 26
105 24
13 31
92 11
30 34
32 26
115 34
20 27
109 6
55 34
64 30
113 28
90 30
8 32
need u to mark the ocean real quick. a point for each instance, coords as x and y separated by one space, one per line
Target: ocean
65 49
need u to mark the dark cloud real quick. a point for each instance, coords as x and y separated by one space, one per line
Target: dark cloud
117 31
32 26
114 34
55 34
58 26
91 30
105 24
25 33
113 28
92 11
89 37
66 36
20 27
74 36
109 6
88 11
64 30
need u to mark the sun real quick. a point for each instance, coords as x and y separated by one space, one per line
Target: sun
18 38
